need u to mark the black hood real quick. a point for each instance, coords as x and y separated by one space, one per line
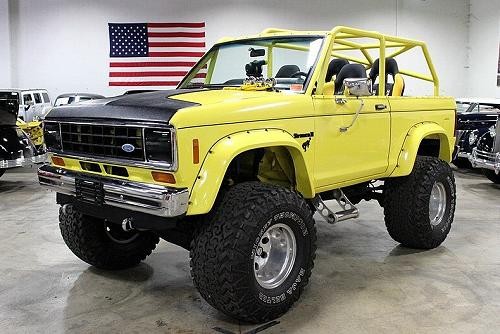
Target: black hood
145 107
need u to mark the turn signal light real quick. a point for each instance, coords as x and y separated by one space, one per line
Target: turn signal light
196 151
58 161
163 177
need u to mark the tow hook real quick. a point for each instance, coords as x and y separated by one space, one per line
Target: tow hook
127 225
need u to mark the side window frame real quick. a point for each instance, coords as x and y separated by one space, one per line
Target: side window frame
45 97
39 100
24 95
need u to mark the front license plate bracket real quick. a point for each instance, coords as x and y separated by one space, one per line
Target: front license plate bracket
90 191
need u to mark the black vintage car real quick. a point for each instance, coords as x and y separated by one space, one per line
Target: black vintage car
16 148
486 154
475 118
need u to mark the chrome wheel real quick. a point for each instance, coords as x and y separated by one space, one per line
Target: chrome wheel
275 256
437 204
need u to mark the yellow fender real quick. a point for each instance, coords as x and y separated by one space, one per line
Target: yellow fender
220 155
419 132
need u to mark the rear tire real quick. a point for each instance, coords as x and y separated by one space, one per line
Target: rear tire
103 245
229 261
492 176
410 201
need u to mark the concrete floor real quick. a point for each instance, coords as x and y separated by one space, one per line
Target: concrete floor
363 282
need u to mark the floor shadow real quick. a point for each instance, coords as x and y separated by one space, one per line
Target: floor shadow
12 186
401 251
139 273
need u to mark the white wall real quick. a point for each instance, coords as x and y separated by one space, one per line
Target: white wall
484 39
5 73
62 45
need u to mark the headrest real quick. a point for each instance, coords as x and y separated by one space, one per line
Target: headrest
334 68
348 71
391 67
286 71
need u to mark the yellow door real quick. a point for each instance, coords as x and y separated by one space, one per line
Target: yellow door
346 153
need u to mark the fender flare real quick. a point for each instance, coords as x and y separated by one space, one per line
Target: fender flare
413 139
220 155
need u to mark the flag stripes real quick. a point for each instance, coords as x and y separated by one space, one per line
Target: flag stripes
155 55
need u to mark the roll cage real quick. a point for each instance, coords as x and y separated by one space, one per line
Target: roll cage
337 42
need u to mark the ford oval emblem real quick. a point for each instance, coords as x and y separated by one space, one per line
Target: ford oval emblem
129 148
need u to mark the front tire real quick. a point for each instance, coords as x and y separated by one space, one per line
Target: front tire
254 257
101 244
419 208
492 176
462 163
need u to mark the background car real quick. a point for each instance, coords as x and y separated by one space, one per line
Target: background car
16 148
475 118
486 154
34 104
71 98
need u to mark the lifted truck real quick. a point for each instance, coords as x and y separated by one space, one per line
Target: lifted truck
233 163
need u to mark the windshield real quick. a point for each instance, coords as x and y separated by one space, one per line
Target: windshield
60 101
289 60
489 108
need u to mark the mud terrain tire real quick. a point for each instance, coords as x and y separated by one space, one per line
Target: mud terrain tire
103 245
226 251
408 204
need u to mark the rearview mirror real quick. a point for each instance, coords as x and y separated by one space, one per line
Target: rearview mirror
257 52
358 87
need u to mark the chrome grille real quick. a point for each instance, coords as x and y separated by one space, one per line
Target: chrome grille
103 140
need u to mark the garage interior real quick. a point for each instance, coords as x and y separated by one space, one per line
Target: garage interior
362 281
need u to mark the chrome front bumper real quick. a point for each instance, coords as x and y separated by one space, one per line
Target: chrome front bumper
142 197
22 162
488 160
464 155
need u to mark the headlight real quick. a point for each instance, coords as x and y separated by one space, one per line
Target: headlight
160 146
52 135
472 137
493 131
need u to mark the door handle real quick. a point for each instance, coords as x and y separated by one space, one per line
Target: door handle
380 106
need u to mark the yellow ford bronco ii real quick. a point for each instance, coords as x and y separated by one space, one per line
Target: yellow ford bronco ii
233 163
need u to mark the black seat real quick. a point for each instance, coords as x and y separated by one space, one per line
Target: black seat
348 71
286 71
391 68
334 68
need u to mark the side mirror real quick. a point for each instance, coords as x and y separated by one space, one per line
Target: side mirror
358 87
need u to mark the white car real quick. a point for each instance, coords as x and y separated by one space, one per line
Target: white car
72 98
34 104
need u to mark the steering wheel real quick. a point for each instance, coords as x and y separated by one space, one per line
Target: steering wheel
299 74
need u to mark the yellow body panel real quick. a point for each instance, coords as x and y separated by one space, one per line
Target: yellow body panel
221 154
383 141
136 174
34 130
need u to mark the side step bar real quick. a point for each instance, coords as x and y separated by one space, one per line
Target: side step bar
349 211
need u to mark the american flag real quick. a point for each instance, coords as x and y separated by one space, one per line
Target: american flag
156 55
